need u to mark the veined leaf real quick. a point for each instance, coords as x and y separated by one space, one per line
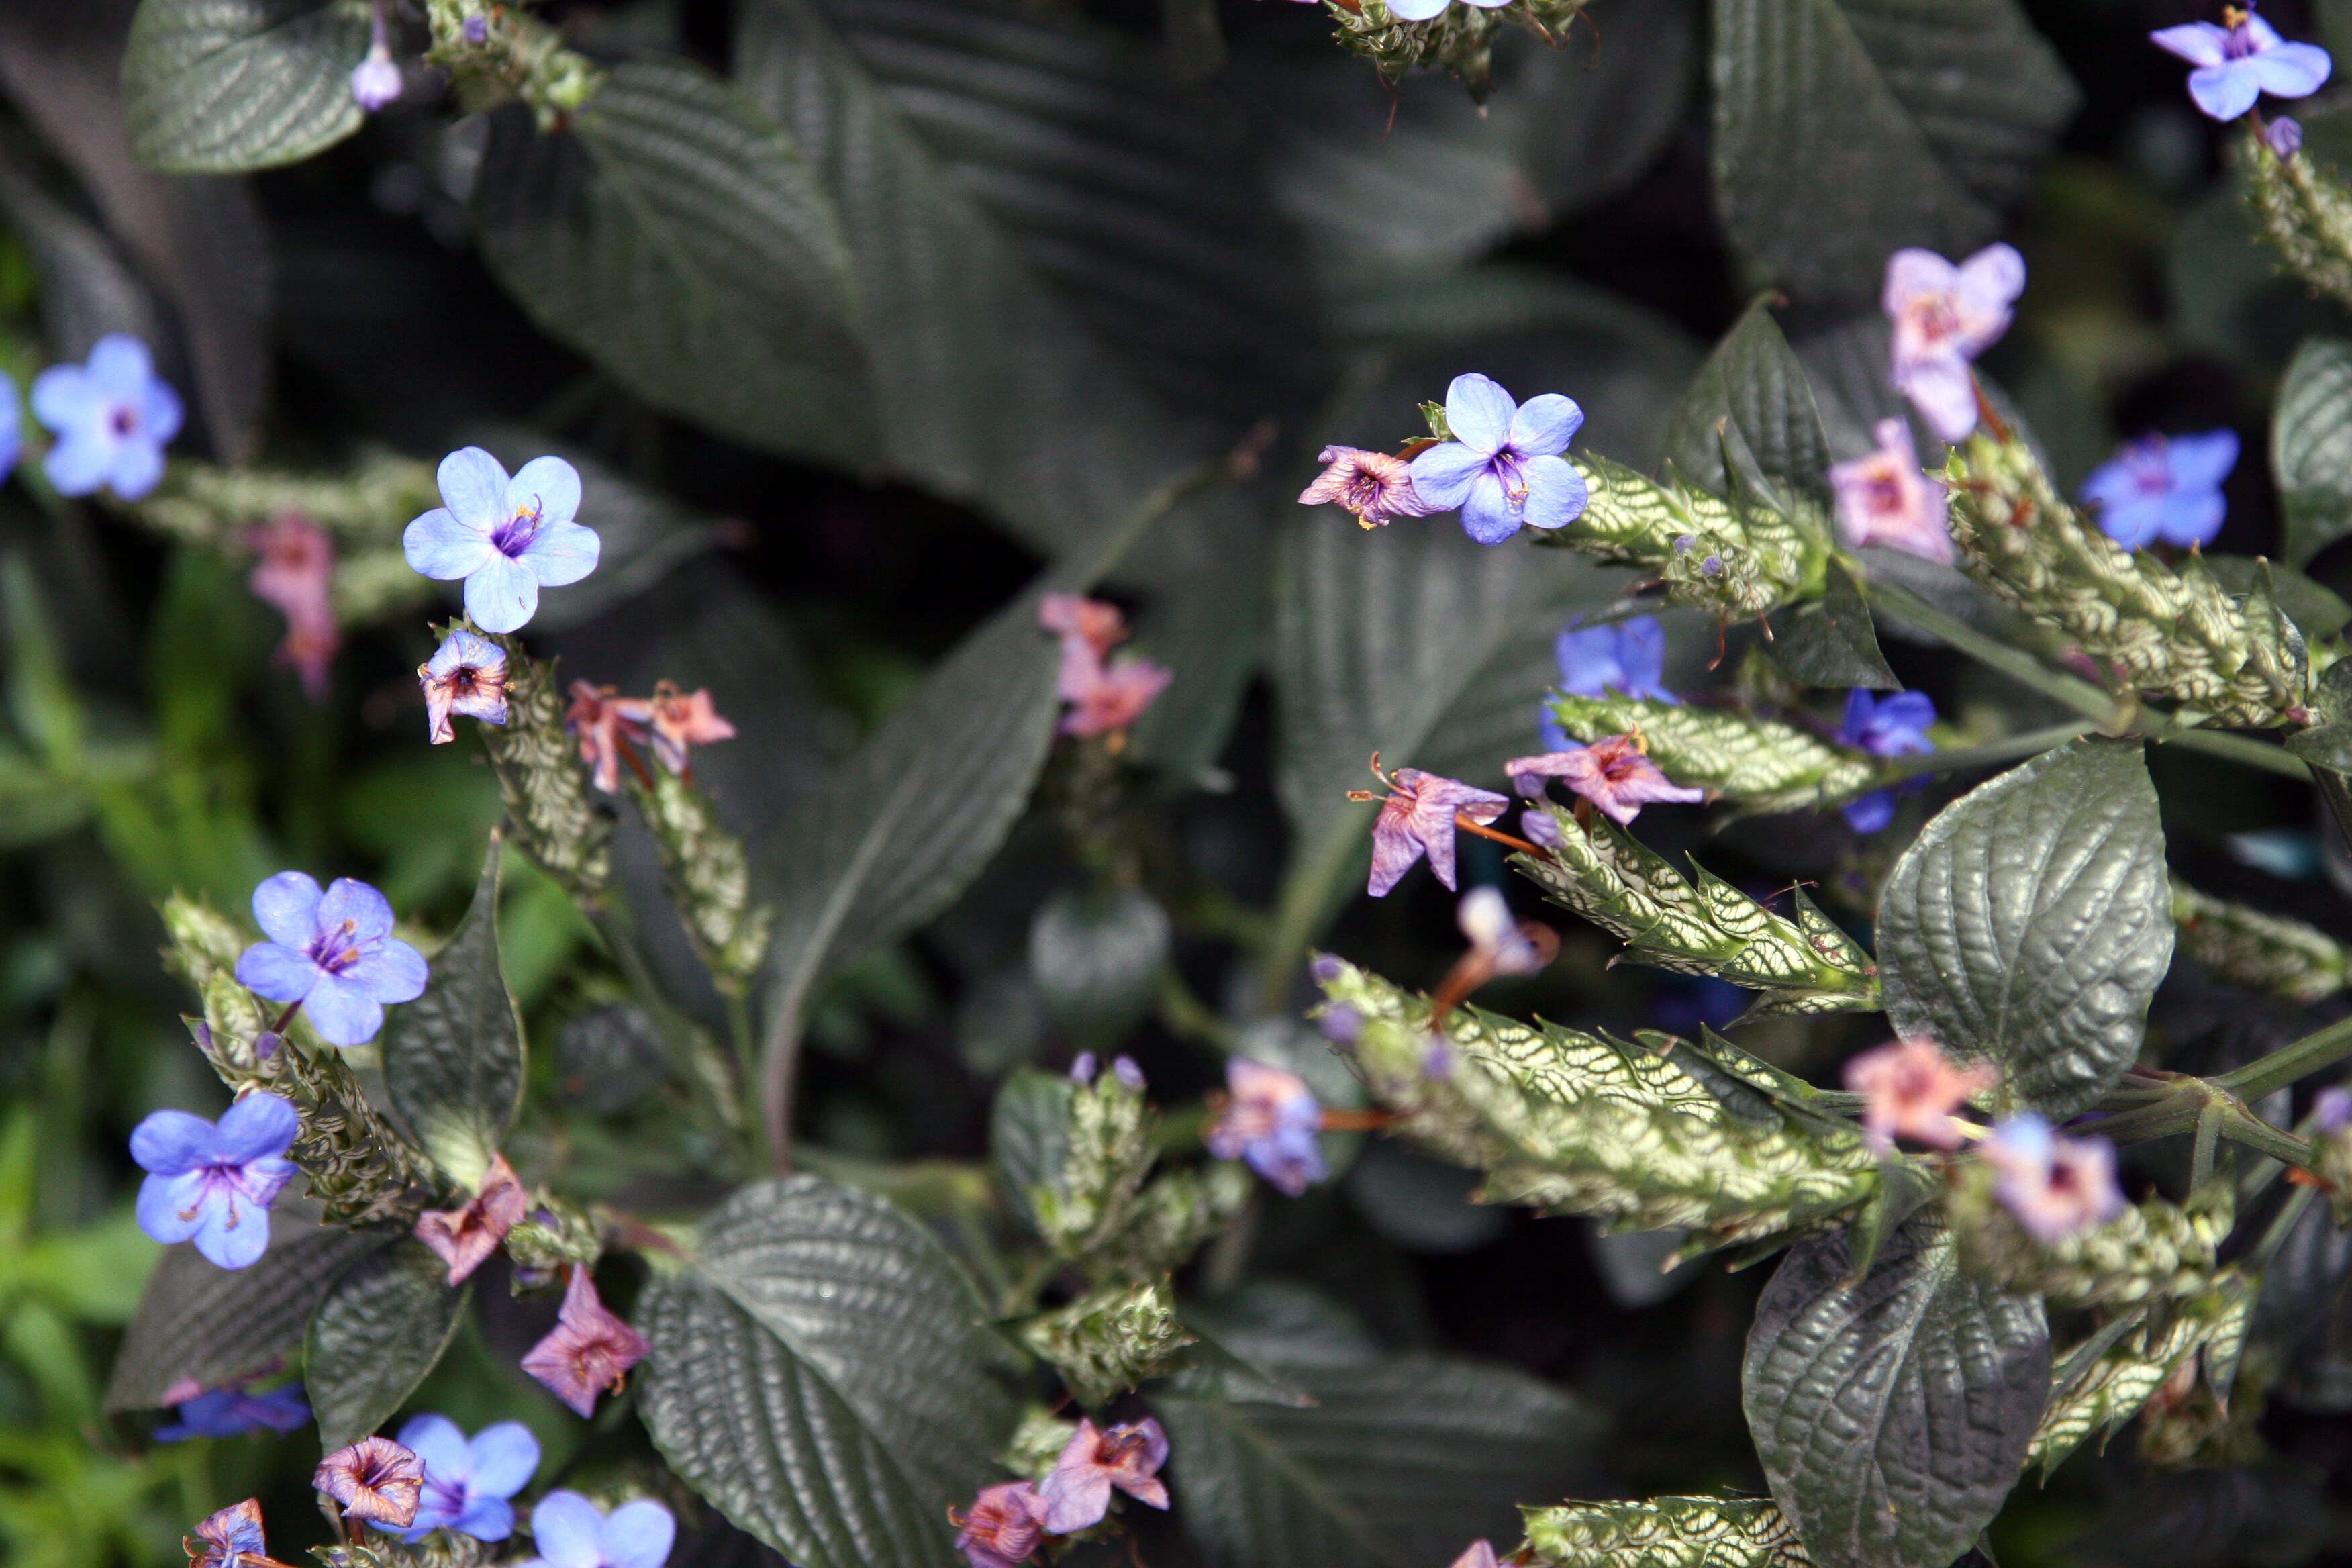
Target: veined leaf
1758 765
215 87
1397 1463
453 1057
2107 1381
382 1328
1665 1533
1845 129
1893 1414
2311 447
1833 641
1754 380
821 1373
2029 924
1029 1135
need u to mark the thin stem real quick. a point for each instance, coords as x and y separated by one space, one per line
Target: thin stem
1483 831
2267 1075
2027 744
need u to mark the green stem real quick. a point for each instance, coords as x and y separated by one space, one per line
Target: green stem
2285 1065
1188 1017
2029 743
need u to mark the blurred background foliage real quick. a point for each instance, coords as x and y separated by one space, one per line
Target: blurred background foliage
1211 218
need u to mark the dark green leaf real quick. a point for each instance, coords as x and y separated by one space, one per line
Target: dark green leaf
1399 1462
1095 960
381 1329
676 236
453 1057
1753 380
1832 640
2311 447
213 87
1029 1133
1845 129
1892 1415
202 1323
822 1374
2030 924
2315 608
2329 745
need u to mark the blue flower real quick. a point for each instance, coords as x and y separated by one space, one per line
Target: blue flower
1894 726
334 953
1628 659
12 426
112 416
1269 1121
214 1184
571 1532
2285 137
467 1484
2167 487
1503 466
506 537
231 1411
2238 62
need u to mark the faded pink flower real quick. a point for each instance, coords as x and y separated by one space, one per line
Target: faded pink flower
1269 1120
1910 1088
1110 697
1002 1527
589 1351
1078 1494
682 721
466 674
1479 1553
1093 622
603 724
1614 773
464 1237
2055 1187
376 1479
1886 497
1417 818
231 1539
1944 317
296 575
1374 486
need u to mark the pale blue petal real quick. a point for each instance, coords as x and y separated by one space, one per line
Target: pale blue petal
160 412
1642 654
1545 426
436 1440
63 396
1590 661
438 544
258 1127
474 487
567 1530
1442 476
1418 10
549 486
485 1518
342 1013
1478 412
2134 522
169 1142
501 596
168 1206
286 908
78 464
562 552
393 971
1555 493
232 1232
1872 813
504 1457
2190 517
137 467
2290 71
275 973
2199 42
1488 515
120 367
639 1535
349 899
2112 483
2201 462
1908 711
2224 92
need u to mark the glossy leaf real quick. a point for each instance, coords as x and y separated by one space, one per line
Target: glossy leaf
215 87
381 1329
1892 1415
2311 447
1756 382
1832 640
2029 924
1029 1134
822 1374
453 1058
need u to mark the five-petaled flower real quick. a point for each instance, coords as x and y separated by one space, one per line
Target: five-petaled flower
376 1479
1614 773
468 1482
1078 1493
605 724
1944 317
229 1411
1503 469
1268 1121
1373 486
506 537
1909 1089
112 416
2239 61
466 674
1417 818
1628 659
2164 487
333 953
682 721
295 574
464 1237
1885 498
569 1531
213 1184
2056 1187
231 1539
1002 1526
1894 726
588 1351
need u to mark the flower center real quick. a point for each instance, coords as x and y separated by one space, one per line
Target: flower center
1364 491
510 536
334 951
1505 465
1934 318
123 420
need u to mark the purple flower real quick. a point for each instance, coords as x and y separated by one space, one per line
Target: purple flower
1503 468
1124 1070
506 537
1614 773
467 1483
1372 486
334 953
590 1350
230 1412
1885 498
375 83
1002 1526
1269 1121
1909 1089
1628 659
1078 1493
464 1238
2285 137
2241 60
231 1539
477 30
466 674
2167 487
2332 1107
376 1479
214 1184
1894 726
112 416
2055 1187
569 1531
1479 1553
1944 317
1416 818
